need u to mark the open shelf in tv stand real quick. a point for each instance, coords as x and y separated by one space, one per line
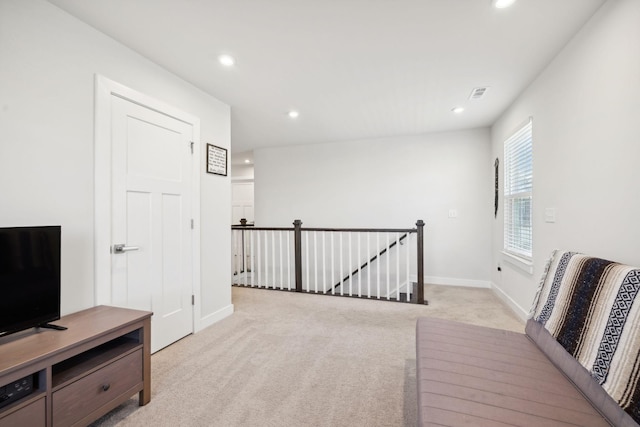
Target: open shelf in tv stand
80 374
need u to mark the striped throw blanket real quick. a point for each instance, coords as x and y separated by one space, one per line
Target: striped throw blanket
589 306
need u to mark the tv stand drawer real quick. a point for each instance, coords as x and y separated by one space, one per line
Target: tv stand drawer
32 415
107 386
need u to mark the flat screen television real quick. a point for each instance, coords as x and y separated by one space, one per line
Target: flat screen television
29 277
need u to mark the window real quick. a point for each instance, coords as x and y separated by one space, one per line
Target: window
518 190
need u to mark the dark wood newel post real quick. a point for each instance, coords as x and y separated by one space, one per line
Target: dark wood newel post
297 250
420 251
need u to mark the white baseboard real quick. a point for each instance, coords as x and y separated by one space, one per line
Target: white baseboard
214 317
514 306
452 281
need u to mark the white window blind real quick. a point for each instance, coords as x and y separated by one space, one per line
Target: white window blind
518 190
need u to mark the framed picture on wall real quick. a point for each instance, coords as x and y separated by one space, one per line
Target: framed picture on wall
216 160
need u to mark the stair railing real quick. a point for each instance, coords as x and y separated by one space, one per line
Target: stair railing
385 264
370 261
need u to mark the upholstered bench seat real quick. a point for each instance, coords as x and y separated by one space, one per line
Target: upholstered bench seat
474 376
577 364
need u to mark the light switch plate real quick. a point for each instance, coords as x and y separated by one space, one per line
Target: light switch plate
550 215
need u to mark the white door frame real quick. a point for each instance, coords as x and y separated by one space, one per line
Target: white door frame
104 90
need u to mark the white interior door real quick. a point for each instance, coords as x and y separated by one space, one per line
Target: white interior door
241 202
151 216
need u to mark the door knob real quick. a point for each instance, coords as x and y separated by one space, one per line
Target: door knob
121 248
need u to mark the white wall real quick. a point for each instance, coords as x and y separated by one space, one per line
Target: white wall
586 138
242 172
48 62
390 183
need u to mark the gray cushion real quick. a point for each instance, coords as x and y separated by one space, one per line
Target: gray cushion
578 375
475 376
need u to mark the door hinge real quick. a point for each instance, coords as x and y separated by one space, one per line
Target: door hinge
193 300
191 144
192 224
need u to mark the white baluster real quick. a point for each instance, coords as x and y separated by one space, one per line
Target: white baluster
266 262
324 264
341 268
259 258
350 266
407 251
289 237
236 249
398 267
359 261
281 277
369 265
274 284
388 255
252 259
308 287
378 261
315 261
238 252
333 262
236 246
235 252
265 258
244 258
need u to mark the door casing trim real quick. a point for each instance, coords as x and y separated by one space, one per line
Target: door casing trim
104 90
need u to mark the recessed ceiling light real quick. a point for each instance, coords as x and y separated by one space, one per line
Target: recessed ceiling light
247 161
226 60
457 110
293 114
501 4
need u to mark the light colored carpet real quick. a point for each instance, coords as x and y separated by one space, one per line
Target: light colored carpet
287 359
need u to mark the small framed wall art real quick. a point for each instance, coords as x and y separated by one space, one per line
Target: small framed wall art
216 160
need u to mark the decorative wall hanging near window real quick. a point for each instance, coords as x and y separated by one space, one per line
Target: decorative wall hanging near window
495 197
216 160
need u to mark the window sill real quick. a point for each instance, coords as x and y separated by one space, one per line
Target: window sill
521 263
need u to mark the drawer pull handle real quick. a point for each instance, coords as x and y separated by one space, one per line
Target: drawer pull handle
106 387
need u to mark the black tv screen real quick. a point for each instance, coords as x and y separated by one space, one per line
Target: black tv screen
29 277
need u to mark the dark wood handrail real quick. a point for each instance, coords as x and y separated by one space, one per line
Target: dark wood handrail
251 227
336 230
364 230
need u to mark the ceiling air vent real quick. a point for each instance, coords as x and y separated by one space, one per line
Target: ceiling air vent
478 92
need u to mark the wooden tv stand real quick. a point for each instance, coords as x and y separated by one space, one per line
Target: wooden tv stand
79 374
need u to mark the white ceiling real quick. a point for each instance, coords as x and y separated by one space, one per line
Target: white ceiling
354 69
